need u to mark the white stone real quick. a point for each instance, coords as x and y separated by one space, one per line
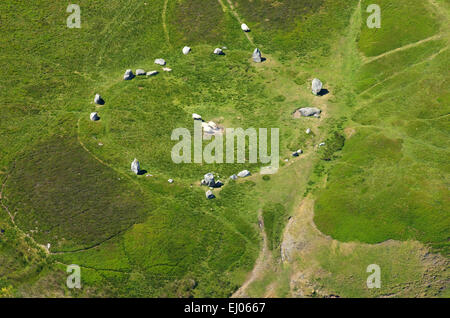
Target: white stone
243 174
196 116
309 111
94 116
98 99
308 131
209 195
245 27
218 51
128 75
152 73
316 86
166 69
135 166
186 50
257 56
161 62
234 177
170 181
140 72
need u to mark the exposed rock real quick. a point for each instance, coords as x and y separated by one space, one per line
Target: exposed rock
321 144
316 86
140 72
257 56
218 51
166 69
210 195
309 111
196 116
224 48
161 62
94 117
244 173
208 180
211 128
152 73
135 166
170 181
308 131
234 177
128 75
99 100
186 50
245 27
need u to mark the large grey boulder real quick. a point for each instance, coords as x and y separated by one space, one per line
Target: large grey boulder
257 56
208 180
316 86
128 75
243 174
94 117
309 111
209 195
135 166
160 62
186 50
140 72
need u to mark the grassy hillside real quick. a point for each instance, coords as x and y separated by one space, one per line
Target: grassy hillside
66 180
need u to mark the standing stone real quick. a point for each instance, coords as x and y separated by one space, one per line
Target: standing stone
210 195
186 50
234 177
135 166
160 62
245 27
99 100
257 56
140 72
94 117
196 116
316 86
128 75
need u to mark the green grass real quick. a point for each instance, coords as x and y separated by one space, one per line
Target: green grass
142 237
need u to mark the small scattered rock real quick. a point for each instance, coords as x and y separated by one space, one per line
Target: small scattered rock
243 174
140 72
309 111
196 116
170 181
100 144
186 50
135 166
161 62
166 69
94 116
297 153
152 73
98 100
308 131
210 195
218 51
128 75
316 86
257 56
245 27
234 177
321 144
